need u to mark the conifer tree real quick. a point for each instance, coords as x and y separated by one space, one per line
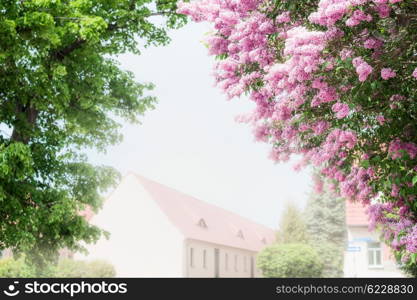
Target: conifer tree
326 227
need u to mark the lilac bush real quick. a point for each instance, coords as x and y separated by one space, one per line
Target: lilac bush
334 81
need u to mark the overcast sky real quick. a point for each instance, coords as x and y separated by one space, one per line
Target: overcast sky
191 141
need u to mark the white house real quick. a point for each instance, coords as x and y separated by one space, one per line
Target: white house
366 255
157 231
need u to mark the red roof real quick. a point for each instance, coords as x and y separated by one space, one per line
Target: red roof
355 214
206 222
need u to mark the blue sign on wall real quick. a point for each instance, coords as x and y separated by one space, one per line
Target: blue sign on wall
353 249
363 239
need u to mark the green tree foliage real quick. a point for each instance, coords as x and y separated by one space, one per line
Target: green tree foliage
290 260
326 227
61 90
292 227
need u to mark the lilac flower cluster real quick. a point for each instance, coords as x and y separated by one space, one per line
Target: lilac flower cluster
398 225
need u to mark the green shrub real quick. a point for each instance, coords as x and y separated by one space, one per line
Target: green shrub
66 268
290 260
15 268
332 256
70 268
100 268
82 269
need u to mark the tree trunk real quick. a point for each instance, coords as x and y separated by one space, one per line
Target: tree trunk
21 131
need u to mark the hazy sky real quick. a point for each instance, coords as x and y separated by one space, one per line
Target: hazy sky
191 141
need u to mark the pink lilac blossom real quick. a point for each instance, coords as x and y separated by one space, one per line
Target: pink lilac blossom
341 110
284 17
387 73
395 222
318 184
244 39
380 119
395 190
331 11
372 43
320 127
261 133
383 9
415 73
346 53
397 98
411 240
363 69
397 148
357 17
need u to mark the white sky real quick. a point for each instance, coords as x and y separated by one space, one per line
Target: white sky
191 142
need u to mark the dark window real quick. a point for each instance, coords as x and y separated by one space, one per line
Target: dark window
226 261
191 257
216 263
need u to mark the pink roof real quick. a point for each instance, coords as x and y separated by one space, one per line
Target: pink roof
355 214
206 222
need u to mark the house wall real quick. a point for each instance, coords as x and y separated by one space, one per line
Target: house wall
196 268
356 262
143 243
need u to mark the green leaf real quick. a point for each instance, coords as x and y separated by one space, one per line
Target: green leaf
414 181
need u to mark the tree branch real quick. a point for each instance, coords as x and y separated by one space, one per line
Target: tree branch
61 54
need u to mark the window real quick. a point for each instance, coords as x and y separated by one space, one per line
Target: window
235 262
374 254
216 263
202 223
191 257
226 261
204 258
240 235
252 267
